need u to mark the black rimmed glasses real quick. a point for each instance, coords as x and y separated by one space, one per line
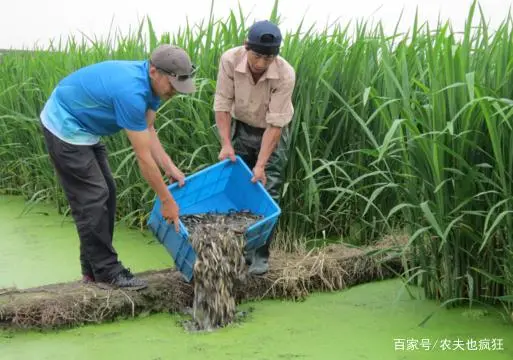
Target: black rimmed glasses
180 77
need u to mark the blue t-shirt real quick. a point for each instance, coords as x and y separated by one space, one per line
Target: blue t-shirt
100 100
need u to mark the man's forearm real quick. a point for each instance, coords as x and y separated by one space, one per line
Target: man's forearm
270 139
158 152
151 173
223 122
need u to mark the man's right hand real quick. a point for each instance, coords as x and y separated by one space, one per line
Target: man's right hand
227 152
170 211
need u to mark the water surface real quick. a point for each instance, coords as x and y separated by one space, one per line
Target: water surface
371 321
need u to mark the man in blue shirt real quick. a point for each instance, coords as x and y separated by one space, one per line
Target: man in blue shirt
101 100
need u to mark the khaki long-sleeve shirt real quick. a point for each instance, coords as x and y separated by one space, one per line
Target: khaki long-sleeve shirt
268 102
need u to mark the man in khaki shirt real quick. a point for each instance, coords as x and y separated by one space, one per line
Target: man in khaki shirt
255 86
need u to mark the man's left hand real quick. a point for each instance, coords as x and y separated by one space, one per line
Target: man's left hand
174 174
259 175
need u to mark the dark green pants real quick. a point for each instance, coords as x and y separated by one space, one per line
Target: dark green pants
246 142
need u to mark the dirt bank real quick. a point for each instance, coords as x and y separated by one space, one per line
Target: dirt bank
291 277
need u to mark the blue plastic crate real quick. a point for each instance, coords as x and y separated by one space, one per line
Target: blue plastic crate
219 188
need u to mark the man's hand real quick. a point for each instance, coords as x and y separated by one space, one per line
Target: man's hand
174 174
169 211
227 151
259 175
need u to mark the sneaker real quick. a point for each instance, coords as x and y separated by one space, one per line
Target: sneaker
125 279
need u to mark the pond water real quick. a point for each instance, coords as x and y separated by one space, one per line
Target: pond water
370 321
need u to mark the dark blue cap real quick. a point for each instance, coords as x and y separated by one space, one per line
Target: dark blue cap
264 37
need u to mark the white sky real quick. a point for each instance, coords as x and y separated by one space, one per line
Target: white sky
25 23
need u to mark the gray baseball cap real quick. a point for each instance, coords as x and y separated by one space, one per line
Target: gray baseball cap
175 62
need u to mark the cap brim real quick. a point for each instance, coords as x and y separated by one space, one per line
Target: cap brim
184 87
